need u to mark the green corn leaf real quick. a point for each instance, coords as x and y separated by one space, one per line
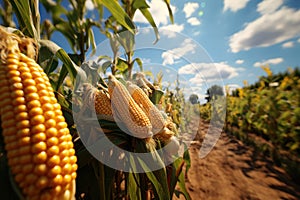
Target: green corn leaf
138 4
158 179
67 105
34 7
168 3
181 180
187 159
62 75
47 59
24 15
127 40
122 65
114 44
56 9
72 69
134 189
119 14
91 39
65 28
148 16
139 62
175 170
156 96
144 8
105 66
103 57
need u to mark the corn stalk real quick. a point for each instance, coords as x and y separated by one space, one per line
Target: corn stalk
94 180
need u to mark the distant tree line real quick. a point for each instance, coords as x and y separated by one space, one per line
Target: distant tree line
213 92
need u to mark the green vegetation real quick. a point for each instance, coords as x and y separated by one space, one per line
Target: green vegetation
95 180
267 115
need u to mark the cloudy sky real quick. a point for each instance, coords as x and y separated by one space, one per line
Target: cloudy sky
238 35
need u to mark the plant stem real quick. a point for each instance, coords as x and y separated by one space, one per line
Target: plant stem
130 64
102 181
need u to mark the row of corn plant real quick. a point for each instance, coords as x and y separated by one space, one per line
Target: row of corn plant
270 109
42 153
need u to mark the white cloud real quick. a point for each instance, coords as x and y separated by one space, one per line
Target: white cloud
189 8
273 61
146 60
159 11
239 62
170 56
198 33
195 90
208 72
269 6
231 87
298 40
170 30
143 30
234 5
89 5
193 21
267 30
288 45
198 79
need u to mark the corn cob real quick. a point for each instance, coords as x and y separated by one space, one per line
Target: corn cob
127 111
152 112
100 100
37 141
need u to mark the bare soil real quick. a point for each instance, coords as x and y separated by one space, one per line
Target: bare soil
233 170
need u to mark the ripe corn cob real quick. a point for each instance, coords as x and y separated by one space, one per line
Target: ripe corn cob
127 111
37 141
100 100
155 116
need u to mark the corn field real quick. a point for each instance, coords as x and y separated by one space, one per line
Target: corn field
43 151
266 115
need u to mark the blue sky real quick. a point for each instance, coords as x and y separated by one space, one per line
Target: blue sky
216 41
239 36
221 42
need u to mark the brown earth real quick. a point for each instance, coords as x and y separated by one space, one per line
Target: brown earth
233 170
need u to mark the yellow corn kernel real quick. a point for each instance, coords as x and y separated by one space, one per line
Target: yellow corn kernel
98 100
103 104
31 119
126 110
155 116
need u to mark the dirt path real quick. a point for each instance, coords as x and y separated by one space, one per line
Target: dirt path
233 170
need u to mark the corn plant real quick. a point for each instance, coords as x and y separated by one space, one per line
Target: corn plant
270 109
94 180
